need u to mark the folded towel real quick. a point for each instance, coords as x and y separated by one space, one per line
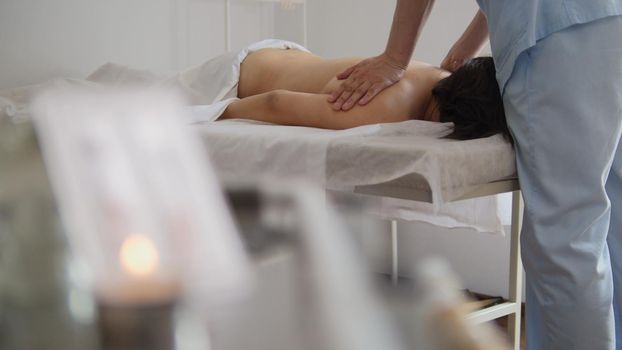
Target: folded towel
209 87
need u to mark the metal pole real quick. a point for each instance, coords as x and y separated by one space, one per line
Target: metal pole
305 24
516 271
394 256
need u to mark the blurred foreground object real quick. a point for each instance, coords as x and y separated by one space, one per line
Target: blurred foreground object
40 305
315 290
433 311
142 208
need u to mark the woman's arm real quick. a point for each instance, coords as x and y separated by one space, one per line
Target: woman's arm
303 109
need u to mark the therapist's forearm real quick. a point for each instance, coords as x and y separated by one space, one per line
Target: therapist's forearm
408 21
476 35
469 45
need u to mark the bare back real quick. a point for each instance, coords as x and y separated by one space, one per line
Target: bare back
294 70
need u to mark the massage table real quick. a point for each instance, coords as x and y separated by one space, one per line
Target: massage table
361 161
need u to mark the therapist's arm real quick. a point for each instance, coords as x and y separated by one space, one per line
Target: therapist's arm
469 45
367 79
303 109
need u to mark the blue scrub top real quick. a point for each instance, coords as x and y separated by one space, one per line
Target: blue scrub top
516 25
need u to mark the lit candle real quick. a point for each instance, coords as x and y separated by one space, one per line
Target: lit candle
139 256
137 312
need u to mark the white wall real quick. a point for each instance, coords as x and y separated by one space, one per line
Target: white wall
361 27
39 38
42 39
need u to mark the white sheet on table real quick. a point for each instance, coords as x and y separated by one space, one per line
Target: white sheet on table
450 167
480 214
371 155
242 149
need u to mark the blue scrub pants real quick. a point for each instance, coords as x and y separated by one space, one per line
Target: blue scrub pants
564 109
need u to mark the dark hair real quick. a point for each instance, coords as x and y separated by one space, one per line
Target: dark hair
470 98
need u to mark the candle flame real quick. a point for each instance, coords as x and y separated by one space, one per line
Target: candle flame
139 256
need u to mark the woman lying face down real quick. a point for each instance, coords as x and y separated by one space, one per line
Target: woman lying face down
291 87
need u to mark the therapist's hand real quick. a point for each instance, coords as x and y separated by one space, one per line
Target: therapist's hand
363 81
456 58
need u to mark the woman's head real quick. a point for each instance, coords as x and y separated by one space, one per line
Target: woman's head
470 99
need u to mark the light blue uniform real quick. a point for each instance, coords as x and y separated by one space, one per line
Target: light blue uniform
559 65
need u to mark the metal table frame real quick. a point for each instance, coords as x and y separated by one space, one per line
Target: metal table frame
510 308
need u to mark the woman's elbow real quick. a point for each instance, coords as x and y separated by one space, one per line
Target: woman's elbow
274 101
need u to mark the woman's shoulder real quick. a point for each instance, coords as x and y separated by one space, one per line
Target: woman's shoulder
424 68
424 73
